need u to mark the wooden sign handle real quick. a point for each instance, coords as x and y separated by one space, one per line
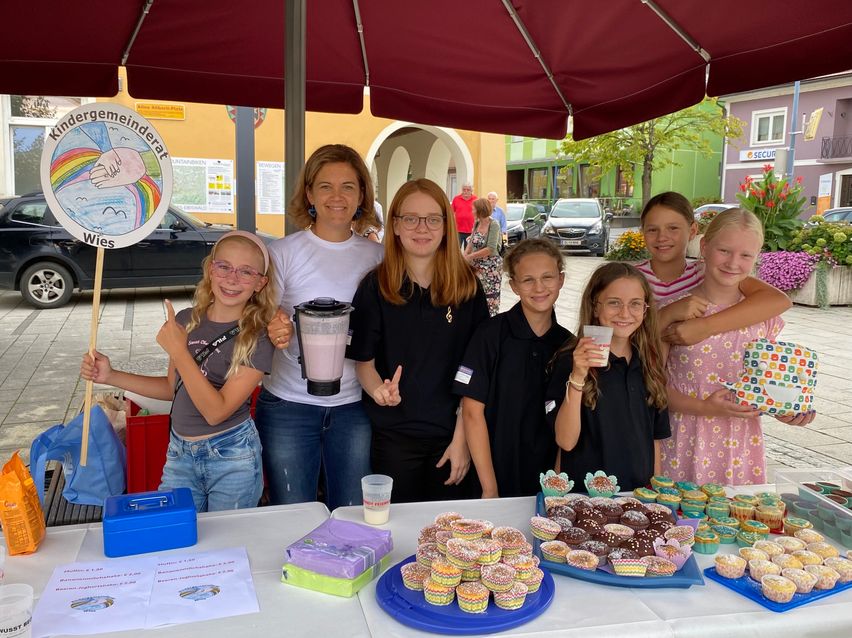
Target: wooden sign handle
93 342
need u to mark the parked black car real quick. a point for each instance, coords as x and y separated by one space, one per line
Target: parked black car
579 224
523 221
44 261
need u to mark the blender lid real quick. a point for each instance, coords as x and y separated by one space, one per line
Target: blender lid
324 306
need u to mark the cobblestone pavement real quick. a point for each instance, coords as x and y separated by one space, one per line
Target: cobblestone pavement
40 354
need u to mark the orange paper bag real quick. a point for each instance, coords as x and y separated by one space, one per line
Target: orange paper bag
20 510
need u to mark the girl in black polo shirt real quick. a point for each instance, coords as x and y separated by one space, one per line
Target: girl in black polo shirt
414 315
502 377
611 418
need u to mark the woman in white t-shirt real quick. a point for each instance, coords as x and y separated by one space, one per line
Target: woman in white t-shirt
300 433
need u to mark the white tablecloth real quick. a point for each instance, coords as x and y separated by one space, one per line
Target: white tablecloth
588 609
265 532
579 608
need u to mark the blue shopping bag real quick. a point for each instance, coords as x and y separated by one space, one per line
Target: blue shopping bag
104 473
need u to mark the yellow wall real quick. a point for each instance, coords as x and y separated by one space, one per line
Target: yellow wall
207 132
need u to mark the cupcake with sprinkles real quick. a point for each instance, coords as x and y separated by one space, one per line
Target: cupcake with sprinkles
467 529
437 594
461 553
555 551
599 484
414 575
523 564
499 577
511 540
581 559
511 598
553 484
472 597
444 519
533 580
544 529
490 551
444 573
426 553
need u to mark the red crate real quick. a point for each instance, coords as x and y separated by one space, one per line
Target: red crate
147 442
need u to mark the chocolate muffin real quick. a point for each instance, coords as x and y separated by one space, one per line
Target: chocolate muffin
599 549
656 516
612 511
641 545
635 519
582 506
563 522
633 505
573 536
562 511
621 552
613 540
588 524
595 515
661 526
624 500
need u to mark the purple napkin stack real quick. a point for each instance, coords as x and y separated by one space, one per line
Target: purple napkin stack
340 549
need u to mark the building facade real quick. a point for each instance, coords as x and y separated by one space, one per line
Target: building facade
823 143
200 138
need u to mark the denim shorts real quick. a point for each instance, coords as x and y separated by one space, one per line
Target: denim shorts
223 472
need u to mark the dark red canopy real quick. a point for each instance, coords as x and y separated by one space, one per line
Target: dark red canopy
468 64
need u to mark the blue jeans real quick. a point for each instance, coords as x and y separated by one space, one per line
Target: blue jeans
299 437
224 472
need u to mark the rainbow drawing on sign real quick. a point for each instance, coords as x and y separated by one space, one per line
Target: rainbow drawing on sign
106 178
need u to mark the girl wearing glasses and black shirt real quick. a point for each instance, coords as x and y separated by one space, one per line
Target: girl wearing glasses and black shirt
414 315
610 413
502 377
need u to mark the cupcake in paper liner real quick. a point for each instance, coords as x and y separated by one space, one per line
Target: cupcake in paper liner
599 484
672 550
553 484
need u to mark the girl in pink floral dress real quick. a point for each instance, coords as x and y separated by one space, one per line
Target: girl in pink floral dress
713 438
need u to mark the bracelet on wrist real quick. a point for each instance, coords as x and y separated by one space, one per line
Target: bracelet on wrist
575 384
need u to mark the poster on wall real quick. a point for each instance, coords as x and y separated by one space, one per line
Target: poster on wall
203 185
824 193
106 175
270 188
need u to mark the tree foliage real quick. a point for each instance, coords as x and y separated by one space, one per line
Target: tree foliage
650 144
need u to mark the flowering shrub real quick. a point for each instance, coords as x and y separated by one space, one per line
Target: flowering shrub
630 246
704 219
786 270
831 243
776 204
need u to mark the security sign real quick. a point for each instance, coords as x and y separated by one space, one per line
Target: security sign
106 175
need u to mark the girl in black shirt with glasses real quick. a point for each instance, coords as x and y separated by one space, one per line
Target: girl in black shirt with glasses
414 315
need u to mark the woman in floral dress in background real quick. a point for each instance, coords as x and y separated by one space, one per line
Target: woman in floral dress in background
483 253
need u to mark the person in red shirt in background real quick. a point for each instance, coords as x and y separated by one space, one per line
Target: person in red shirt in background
463 210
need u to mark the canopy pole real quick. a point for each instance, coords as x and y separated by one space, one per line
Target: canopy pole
244 129
360 26
522 29
145 9
674 26
294 99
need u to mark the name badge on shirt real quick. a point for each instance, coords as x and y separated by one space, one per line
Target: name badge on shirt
548 406
464 374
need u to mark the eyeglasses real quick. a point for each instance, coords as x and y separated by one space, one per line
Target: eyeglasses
528 283
412 222
636 307
245 274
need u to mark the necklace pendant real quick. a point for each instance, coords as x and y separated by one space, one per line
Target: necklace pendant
449 314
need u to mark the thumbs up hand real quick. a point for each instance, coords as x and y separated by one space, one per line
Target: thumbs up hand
172 335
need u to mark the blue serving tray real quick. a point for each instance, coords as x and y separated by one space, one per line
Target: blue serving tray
751 589
685 577
410 607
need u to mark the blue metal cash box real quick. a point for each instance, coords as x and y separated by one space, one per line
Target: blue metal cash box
149 522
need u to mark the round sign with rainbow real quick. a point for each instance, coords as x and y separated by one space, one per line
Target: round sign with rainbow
106 175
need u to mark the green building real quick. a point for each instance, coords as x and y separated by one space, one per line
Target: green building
537 170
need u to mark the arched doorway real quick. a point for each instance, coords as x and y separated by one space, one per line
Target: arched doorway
404 151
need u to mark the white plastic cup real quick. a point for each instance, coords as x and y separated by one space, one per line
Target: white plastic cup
16 611
376 491
603 337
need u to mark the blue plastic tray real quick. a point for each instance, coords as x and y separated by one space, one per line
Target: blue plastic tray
410 607
751 589
685 577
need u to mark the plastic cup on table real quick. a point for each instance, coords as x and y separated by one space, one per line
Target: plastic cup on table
376 490
16 611
603 337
